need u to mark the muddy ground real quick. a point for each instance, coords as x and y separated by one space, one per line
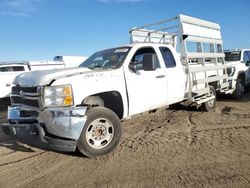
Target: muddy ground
169 148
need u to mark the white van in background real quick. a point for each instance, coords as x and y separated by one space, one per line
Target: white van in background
71 61
9 70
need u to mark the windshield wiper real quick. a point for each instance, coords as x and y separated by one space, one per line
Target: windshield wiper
96 66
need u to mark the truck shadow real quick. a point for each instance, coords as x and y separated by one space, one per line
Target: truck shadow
15 145
25 145
8 141
228 98
12 143
180 107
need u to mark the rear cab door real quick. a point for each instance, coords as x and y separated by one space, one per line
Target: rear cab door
175 74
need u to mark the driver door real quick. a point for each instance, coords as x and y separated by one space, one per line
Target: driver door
146 82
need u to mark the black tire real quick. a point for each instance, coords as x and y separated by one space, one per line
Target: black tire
6 130
101 132
210 105
239 90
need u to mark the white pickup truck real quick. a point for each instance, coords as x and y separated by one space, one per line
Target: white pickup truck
9 70
237 62
82 107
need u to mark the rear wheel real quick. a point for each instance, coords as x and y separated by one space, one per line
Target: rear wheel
101 133
210 105
239 90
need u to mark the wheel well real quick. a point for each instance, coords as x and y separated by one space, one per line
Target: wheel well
241 76
215 84
111 100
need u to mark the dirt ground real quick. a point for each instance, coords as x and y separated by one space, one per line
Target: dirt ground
169 148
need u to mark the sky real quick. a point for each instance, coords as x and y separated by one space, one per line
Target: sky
42 29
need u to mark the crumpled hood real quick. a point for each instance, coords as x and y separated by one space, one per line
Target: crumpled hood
44 77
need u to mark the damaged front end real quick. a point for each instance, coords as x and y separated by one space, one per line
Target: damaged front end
57 128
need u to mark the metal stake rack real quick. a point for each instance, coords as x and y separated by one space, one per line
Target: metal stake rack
200 45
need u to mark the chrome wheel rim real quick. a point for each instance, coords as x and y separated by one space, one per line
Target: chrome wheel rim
211 102
99 133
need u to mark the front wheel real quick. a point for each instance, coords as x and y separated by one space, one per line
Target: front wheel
239 90
101 132
210 105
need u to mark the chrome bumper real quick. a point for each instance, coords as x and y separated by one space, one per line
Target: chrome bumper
232 84
59 128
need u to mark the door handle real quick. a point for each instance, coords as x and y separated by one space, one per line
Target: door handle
160 76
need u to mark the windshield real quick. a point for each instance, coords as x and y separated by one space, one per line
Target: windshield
232 56
111 58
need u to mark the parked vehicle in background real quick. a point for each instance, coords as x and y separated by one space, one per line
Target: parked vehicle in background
71 61
81 108
237 62
9 70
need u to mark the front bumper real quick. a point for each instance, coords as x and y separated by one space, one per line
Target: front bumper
232 84
58 128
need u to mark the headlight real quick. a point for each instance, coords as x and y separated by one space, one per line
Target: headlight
58 96
230 71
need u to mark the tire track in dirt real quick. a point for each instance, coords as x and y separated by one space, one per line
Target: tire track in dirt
192 178
78 172
18 155
38 166
160 137
41 174
151 135
234 135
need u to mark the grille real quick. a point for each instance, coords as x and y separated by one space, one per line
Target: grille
17 89
27 96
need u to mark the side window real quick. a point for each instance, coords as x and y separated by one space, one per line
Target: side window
146 59
246 56
194 47
219 48
12 69
18 68
6 69
248 52
168 57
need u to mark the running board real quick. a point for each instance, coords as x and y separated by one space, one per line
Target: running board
203 99
228 91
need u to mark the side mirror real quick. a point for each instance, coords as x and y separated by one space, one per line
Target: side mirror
132 66
247 63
